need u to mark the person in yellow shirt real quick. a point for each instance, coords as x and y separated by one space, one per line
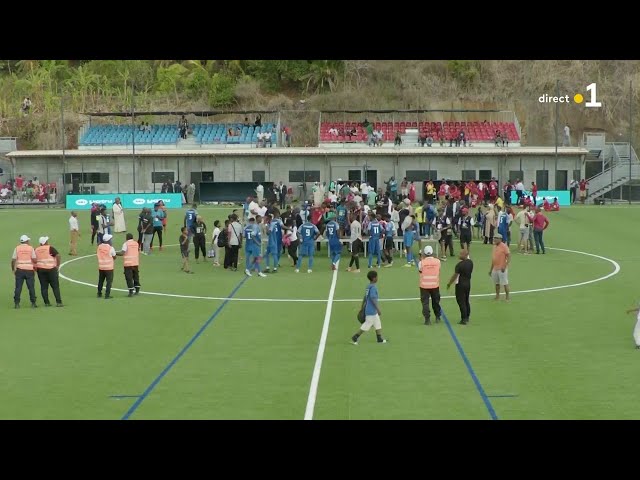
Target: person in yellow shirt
500 203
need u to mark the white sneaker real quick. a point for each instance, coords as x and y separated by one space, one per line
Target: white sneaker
248 273
260 274
297 271
309 271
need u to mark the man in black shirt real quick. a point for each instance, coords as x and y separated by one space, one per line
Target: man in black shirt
462 278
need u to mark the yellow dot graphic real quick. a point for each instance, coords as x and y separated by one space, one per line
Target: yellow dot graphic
578 98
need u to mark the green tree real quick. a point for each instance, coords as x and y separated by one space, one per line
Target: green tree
221 90
323 75
171 78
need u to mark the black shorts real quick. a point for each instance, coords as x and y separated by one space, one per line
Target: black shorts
388 243
357 247
184 253
465 237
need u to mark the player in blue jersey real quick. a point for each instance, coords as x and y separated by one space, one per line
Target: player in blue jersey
332 232
308 233
375 232
190 220
252 246
274 232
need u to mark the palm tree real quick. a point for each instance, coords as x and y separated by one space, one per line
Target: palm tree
322 74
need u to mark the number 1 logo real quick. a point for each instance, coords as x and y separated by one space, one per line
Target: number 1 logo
593 103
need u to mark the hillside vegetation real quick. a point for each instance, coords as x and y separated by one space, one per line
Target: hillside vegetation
197 85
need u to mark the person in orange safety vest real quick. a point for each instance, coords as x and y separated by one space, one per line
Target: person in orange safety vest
23 264
48 263
429 268
131 256
106 256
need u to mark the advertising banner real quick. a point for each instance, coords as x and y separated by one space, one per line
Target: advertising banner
564 198
129 200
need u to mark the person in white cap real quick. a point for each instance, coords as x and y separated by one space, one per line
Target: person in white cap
429 268
23 263
106 255
48 263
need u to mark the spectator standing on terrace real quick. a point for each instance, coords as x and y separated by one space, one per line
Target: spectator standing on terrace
260 193
572 188
398 139
191 192
583 190
118 216
246 123
566 140
258 122
371 140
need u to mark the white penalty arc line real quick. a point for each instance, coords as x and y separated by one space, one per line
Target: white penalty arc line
298 300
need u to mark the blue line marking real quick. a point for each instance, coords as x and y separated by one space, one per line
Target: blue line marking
153 384
484 396
502 396
124 396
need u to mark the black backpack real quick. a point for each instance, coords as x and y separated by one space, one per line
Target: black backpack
222 238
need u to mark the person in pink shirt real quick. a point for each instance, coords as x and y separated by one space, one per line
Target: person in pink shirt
412 192
534 191
540 224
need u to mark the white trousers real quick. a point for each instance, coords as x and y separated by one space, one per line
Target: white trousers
636 332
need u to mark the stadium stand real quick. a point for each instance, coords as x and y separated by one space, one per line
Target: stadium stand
210 133
475 131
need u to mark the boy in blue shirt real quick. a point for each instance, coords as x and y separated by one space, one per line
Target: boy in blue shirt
252 246
332 230
309 233
409 234
371 310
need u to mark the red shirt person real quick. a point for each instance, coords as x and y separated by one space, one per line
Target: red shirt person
583 190
540 224
555 206
546 205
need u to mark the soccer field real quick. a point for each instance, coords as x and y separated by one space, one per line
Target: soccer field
219 345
